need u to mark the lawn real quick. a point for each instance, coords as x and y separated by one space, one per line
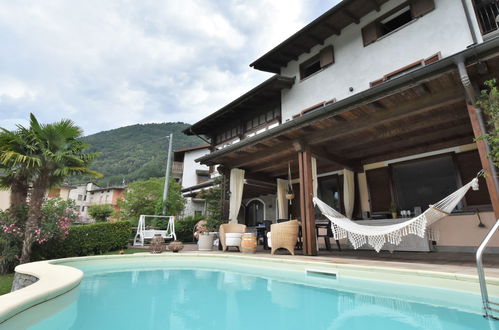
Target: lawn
6 283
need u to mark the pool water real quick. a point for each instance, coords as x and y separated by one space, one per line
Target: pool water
206 299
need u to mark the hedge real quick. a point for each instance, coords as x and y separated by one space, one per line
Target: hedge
86 240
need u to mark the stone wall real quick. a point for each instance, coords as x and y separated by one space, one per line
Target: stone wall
22 281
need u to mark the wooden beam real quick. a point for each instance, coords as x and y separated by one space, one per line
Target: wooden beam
418 149
423 104
323 153
351 15
262 156
332 28
306 204
487 163
418 125
429 136
376 5
315 39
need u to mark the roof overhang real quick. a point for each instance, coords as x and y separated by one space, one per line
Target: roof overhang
328 24
263 94
365 101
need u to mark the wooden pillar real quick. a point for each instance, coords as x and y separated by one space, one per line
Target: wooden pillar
306 203
483 151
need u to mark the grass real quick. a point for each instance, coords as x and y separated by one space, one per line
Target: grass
6 283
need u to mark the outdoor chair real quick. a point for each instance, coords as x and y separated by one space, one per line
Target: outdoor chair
283 235
230 235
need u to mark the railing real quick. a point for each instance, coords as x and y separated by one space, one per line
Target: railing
487 12
177 167
481 276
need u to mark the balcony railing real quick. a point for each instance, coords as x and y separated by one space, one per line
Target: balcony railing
177 167
487 14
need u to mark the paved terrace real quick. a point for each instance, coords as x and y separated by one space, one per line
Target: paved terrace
449 262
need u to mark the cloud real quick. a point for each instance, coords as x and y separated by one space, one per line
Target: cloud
107 64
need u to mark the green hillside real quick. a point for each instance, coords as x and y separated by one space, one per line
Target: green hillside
135 152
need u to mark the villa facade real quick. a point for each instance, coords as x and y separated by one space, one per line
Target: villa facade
375 98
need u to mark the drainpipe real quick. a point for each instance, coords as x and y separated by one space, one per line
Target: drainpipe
469 21
472 106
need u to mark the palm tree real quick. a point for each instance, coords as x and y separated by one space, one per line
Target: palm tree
14 176
52 152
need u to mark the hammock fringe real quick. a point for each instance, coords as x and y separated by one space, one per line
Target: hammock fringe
378 236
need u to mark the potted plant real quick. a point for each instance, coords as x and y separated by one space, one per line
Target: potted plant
207 230
394 209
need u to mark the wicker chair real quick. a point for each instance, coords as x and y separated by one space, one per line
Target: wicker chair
230 228
284 235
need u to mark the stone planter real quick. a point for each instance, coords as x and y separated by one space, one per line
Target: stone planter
157 244
205 242
175 246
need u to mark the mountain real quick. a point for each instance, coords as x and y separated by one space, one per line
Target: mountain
134 152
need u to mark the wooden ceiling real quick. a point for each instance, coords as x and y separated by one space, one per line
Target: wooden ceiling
426 117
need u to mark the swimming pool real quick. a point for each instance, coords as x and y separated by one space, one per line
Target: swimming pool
194 292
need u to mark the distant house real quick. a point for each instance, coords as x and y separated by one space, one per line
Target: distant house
88 194
61 191
195 177
376 99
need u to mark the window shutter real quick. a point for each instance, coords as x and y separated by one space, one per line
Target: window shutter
378 182
433 58
326 56
421 7
370 33
469 164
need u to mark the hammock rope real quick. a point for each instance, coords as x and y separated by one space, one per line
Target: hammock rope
377 236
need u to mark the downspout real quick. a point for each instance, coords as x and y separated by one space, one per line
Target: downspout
471 100
469 21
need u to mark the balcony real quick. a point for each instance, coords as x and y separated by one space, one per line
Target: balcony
487 12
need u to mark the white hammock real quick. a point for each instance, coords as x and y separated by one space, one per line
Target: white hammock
377 236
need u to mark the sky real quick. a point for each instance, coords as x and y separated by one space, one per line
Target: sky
108 64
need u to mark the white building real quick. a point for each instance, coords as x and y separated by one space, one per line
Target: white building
385 89
195 177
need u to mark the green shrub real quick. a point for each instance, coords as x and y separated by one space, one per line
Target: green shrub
100 213
86 240
184 228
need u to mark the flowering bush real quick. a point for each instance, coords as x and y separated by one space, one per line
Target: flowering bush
57 217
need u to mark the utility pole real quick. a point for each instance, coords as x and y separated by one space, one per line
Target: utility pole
167 174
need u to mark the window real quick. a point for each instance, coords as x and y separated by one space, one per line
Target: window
198 213
317 63
469 164
395 19
330 191
423 182
378 183
80 197
83 208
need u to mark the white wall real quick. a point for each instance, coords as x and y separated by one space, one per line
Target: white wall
189 177
442 30
192 205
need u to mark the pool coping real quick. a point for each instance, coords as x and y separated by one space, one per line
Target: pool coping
55 278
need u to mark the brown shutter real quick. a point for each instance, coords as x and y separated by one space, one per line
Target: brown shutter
469 164
421 7
326 56
378 183
370 33
433 58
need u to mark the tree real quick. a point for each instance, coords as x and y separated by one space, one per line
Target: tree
51 152
146 197
15 176
100 213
